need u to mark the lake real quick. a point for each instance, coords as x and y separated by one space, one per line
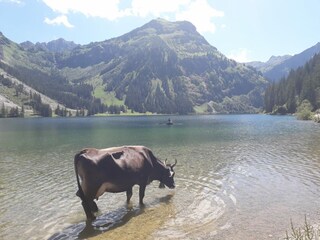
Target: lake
237 177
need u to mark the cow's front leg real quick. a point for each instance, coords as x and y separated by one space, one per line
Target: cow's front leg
129 194
141 193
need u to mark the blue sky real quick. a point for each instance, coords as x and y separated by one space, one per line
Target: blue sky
245 30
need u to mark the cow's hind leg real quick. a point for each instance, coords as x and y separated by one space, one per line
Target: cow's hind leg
87 210
142 189
93 206
129 194
88 205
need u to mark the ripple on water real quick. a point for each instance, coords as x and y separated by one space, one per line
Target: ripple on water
197 208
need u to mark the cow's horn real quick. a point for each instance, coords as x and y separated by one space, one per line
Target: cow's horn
165 162
175 162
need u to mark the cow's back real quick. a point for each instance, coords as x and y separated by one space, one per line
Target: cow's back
114 169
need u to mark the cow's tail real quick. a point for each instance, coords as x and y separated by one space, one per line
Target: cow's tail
80 192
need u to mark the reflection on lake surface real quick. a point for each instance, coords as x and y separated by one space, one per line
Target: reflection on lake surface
238 177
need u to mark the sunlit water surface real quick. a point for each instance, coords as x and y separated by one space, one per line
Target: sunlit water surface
237 177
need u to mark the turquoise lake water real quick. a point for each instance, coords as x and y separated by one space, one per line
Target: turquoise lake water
237 177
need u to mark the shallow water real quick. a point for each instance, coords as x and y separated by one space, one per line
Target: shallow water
238 177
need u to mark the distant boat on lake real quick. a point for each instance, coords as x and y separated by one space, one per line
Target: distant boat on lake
169 122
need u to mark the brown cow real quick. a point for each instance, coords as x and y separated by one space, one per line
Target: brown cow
117 169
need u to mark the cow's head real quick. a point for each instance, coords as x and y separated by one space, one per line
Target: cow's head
167 176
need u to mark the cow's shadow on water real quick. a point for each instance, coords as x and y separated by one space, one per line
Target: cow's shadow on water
106 222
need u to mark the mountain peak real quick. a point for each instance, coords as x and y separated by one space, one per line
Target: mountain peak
164 26
278 59
180 35
60 45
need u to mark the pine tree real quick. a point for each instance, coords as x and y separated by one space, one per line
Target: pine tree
3 112
291 103
22 112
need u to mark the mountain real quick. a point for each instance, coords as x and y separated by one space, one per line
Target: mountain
271 63
166 67
163 67
300 87
279 67
25 73
58 45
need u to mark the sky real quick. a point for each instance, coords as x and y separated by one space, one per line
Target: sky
244 30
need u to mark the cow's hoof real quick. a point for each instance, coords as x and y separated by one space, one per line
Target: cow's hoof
91 219
129 206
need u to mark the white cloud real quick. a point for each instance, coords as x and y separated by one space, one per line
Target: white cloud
93 8
199 12
60 20
156 8
240 55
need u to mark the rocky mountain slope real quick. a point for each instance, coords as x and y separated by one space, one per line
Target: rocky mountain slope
162 67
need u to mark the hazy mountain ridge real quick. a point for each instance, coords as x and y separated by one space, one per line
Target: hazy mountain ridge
58 45
271 63
279 67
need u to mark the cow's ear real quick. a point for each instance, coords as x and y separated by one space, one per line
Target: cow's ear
161 185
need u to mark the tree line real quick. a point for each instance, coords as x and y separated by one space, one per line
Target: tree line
82 101
11 113
55 86
301 87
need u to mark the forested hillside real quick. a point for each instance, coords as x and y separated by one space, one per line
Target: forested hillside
301 86
161 67
35 67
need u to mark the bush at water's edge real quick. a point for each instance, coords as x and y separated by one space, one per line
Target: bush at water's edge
307 231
